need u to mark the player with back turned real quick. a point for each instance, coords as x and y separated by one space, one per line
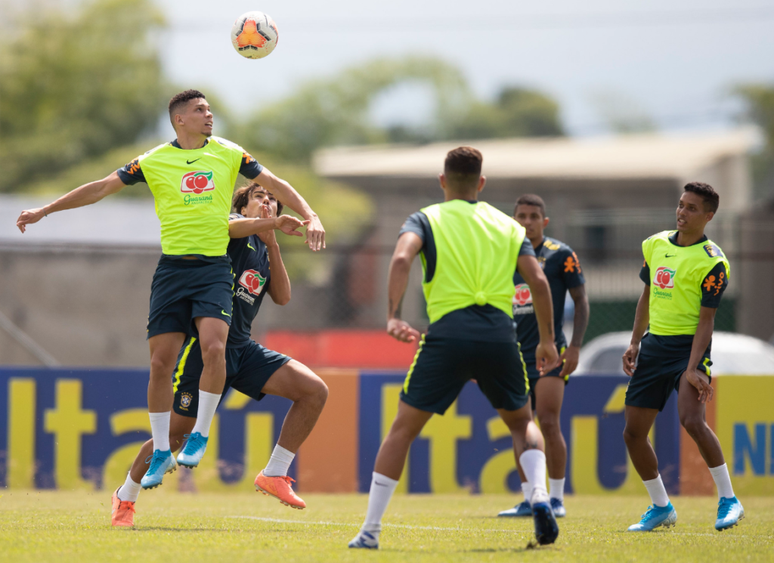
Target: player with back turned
685 275
563 271
470 252
192 180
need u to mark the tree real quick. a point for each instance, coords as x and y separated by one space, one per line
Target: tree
334 110
517 112
75 86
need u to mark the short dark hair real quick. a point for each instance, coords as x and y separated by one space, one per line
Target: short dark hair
462 168
242 197
707 193
531 199
181 99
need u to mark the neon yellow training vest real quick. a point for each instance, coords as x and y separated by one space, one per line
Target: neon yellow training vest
676 277
193 191
477 249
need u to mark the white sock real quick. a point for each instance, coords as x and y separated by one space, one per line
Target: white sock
381 492
160 430
722 481
129 490
657 491
279 462
556 488
526 488
533 462
208 402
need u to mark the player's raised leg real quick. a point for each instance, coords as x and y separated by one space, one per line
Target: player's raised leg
125 496
387 471
638 424
163 350
529 448
308 392
692 417
213 333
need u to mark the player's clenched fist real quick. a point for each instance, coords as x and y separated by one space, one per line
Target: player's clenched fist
629 359
28 217
401 330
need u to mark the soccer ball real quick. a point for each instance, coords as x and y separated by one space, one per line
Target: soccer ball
254 35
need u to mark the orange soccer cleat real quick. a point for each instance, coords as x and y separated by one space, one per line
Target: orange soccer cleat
123 512
280 488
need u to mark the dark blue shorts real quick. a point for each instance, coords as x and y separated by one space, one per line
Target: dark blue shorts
534 374
442 367
183 290
662 360
247 370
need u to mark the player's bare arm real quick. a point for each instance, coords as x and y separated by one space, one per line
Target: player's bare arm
701 340
285 193
279 287
244 227
79 197
641 320
579 324
545 352
409 245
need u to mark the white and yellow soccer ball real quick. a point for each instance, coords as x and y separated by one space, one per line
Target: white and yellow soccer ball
254 35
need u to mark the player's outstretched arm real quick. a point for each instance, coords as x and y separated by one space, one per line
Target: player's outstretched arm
546 354
579 324
641 320
244 227
79 197
409 245
285 193
701 340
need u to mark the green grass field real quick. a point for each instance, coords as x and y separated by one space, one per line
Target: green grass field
61 527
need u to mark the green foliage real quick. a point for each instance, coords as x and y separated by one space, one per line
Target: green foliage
74 86
517 112
759 102
334 111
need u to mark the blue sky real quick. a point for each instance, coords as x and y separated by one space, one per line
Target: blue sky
674 61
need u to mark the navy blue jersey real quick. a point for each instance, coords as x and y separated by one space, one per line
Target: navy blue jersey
563 271
477 323
252 275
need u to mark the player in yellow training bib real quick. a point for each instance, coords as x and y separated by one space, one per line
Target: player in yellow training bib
685 275
192 180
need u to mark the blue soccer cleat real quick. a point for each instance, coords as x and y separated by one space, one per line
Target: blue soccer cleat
558 507
364 540
730 511
194 449
655 517
523 510
161 463
546 528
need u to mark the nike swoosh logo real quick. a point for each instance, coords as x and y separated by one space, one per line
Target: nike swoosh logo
667 255
380 484
192 161
224 312
251 248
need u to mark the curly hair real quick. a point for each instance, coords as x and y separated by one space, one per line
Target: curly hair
705 192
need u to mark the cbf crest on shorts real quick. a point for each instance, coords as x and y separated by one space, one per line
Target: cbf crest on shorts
185 400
